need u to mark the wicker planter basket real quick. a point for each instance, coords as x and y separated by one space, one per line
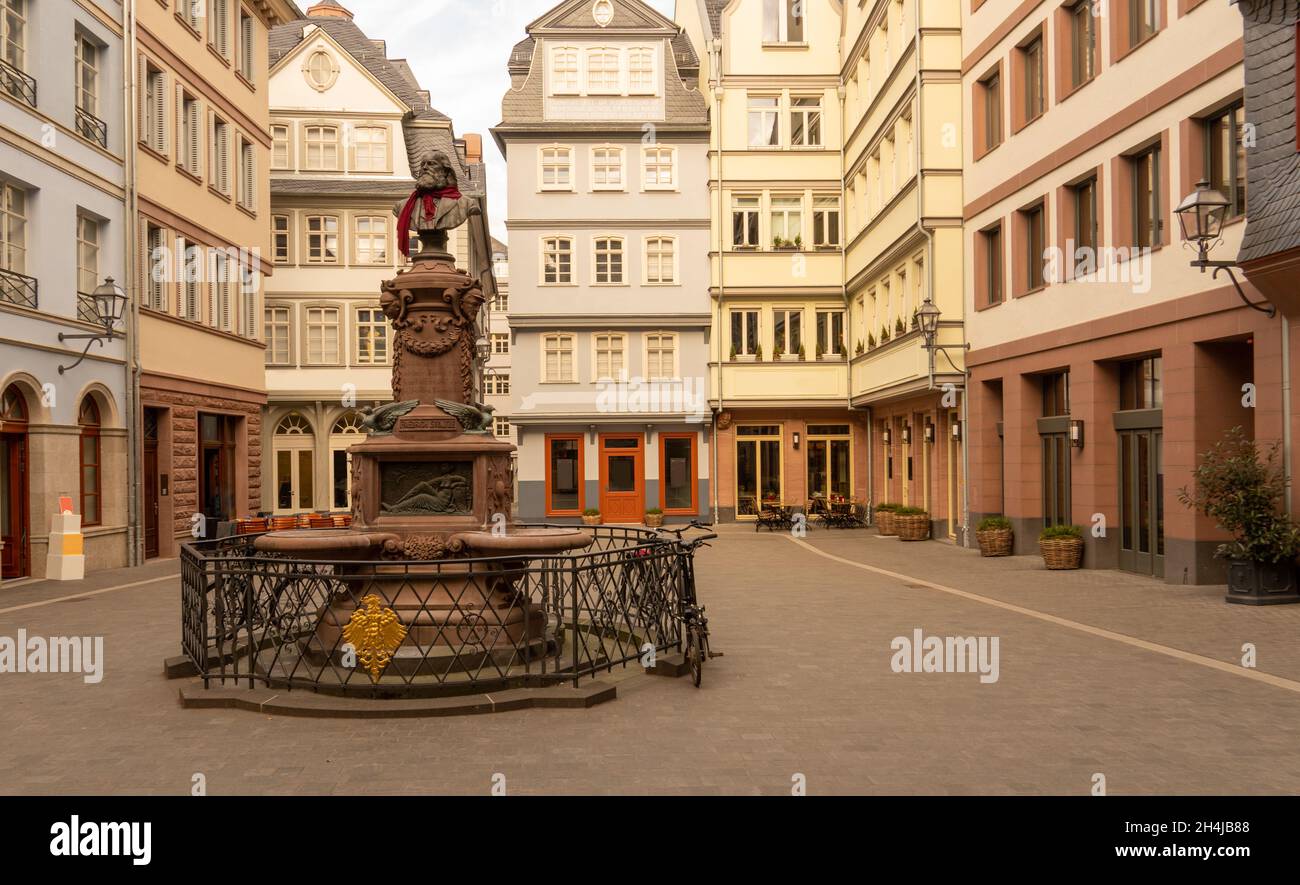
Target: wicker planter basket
912 528
654 520
885 522
1061 553
995 542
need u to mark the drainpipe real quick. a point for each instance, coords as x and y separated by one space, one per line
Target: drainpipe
715 85
1286 409
134 273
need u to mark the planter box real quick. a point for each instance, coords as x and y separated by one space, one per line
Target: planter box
1062 553
654 520
885 522
1261 583
912 527
591 520
995 542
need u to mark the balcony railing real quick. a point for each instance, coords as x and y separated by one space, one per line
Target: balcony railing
17 84
86 311
17 288
92 128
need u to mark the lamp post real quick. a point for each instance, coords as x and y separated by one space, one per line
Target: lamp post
110 301
1200 215
927 316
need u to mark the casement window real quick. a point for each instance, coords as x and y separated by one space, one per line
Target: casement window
13 228
87 76
91 463
557 261
609 261
190 12
787 331
641 71
500 342
370 239
322 239
1083 43
826 221
247 46
280 235
322 336
1056 394
806 121
370 149
1084 196
744 222
603 71
660 356
247 175
1148 226
744 332
280 147
13 37
764 125
219 155
501 427
557 168
1141 385
558 363
154 130
1143 20
564 475
1035 238
191 121
607 168
372 336
783 21
189 306
787 221
1033 68
564 70
277 332
219 26
1225 157
661 261
498 383
660 168
322 148
223 316
990 94
155 267
677 488
991 259
830 332
610 356
87 266
249 302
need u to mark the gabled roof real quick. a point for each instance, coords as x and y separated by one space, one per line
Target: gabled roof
714 9
577 14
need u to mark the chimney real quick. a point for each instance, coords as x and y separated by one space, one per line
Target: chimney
328 9
473 148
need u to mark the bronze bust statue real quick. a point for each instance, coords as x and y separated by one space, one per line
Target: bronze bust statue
436 204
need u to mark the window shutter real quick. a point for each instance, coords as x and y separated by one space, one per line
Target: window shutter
222 10
223 160
144 104
250 176
160 113
192 159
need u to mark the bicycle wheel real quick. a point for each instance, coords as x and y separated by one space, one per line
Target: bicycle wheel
694 653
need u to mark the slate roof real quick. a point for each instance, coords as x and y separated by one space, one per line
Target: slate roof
714 8
395 188
1273 166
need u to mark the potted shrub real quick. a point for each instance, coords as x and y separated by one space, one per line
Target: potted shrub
591 516
885 518
733 353
758 353
654 517
899 328
994 536
802 353
1243 493
862 348
911 523
1061 546
884 334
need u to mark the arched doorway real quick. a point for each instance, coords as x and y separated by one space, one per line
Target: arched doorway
15 530
92 463
346 432
294 445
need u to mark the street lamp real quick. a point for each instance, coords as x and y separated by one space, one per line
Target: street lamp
927 316
483 347
109 301
1201 215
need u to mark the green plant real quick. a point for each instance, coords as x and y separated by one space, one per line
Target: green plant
884 334
654 511
908 511
798 241
899 328
733 352
1060 532
993 524
820 350
778 351
839 346
1243 493
758 353
803 355
871 340
887 507
861 348
591 511
778 242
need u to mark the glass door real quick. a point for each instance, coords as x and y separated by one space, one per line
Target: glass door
830 462
1141 504
758 468
622 489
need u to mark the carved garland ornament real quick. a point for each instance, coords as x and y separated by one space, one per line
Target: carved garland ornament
422 548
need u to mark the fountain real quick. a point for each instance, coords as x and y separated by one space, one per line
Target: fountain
431 484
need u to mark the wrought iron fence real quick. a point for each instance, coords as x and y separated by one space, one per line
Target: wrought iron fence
18 84
463 625
17 288
92 128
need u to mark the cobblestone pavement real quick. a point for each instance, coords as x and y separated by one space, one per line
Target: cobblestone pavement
1100 672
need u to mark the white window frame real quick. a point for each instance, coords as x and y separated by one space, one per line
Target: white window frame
766 111
371 236
545 349
653 87
154 104
322 144
378 149
323 233
647 163
247 44
622 371
336 324
758 330
830 204
645 354
372 329
287 233
591 52
247 192
595 260
645 262
87 56
782 10
573 87
784 204
789 310
607 167
545 249
272 327
498 339
543 164
277 143
807 112
8 37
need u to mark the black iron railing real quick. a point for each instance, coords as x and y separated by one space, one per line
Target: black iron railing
255 619
92 128
17 84
86 310
17 288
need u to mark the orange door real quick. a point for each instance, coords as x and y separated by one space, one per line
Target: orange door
622 477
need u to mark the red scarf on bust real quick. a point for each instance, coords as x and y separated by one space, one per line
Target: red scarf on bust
430 199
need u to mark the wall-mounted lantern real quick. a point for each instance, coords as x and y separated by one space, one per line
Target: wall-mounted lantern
1076 432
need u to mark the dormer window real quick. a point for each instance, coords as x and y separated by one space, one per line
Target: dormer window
602 71
564 70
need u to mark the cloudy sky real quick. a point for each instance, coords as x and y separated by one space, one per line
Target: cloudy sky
458 50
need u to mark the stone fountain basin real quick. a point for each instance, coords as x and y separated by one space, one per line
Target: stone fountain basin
350 544
525 541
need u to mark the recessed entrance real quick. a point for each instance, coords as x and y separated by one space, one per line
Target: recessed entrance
15 531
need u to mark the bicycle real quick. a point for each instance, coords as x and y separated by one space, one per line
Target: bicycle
695 626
